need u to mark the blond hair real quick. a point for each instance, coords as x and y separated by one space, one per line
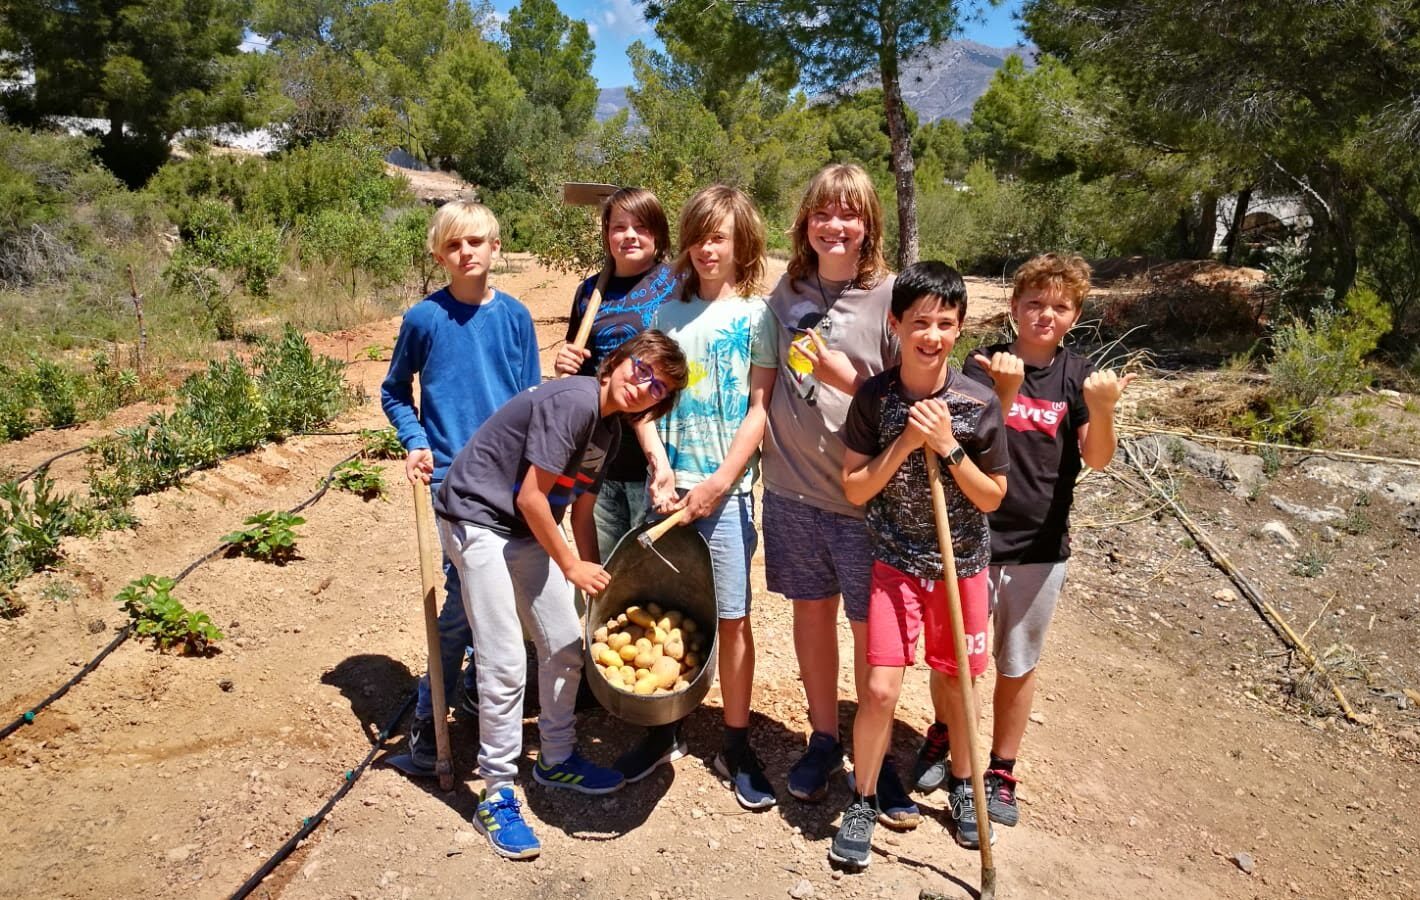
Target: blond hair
461 218
702 216
848 185
1053 272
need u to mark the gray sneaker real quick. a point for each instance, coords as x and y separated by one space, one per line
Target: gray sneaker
930 769
963 809
853 844
423 749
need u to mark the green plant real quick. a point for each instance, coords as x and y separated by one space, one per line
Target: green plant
359 477
299 390
31 526
1311 564
1356 522
157 614
269 535
1271 459
374 352
57 390
380 443
17 398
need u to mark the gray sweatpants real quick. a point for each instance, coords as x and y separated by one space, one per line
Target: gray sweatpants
510 583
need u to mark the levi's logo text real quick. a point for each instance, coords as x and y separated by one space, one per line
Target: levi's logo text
1030 414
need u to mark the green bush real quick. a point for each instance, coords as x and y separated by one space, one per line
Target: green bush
17 398
31 526
158 615
299 390
269 535
57 392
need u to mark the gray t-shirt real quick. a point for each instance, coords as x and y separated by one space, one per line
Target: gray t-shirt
556 426
803 457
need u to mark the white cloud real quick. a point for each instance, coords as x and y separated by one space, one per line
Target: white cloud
625 17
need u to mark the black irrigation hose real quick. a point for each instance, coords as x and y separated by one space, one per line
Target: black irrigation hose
126 631
45 465
310 823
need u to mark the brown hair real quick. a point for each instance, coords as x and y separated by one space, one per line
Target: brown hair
643 205
661 352
701 216
849 185
1068 274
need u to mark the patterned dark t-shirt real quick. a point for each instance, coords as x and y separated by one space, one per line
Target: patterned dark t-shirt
900 522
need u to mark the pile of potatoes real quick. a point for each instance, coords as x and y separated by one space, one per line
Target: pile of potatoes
648 650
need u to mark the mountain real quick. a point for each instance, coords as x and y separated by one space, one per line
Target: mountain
943 81
938 82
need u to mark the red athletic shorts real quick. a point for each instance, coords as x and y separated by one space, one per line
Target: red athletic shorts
900 605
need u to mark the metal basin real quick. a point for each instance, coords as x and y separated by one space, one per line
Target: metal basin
639 578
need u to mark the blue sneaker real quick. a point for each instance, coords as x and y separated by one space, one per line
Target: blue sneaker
895 809
577 774
746 777
499 818
808 779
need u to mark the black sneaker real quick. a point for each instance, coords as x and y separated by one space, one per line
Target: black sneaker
662 744
930 769
853 844
895 809
746 776
808 779
963 809
467 696
423 749
1001 797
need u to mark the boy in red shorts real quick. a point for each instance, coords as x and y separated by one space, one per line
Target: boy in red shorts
896 418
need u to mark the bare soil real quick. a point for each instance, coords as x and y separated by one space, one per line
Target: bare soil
1177 749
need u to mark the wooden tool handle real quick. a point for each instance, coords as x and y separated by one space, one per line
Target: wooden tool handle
594 303
964 681
658 530
429 580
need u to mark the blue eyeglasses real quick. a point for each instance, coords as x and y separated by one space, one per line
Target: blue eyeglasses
644 374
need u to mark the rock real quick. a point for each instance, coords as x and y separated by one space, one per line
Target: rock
587 874
1328 534
1035 717
1225 595
1244 862
1281 534
98 626
179 854
803 890
1238 472
1307 513
226 684
715 845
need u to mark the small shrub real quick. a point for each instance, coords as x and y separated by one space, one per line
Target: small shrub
17 398
1356 522
31 526
158 615
1271 460
112 387
1311 564
381 443
57 391
359 477
269 535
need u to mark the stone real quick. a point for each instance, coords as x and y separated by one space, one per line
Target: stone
1280 534
1244 861
179 854
803 890
1225 595
1035 717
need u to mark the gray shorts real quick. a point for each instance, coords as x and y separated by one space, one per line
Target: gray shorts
1023 599
814 554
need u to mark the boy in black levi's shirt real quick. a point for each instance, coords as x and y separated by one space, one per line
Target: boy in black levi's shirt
1059 417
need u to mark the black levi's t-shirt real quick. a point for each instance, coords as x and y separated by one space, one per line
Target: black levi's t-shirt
901 524
556 426
1033 523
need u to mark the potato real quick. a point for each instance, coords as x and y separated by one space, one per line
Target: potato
621 619
654 609
628 652
675 634
609 658
696 644
665 670
597 648
643 674
618 640
690 660
674 648
644 644
645 687
659 691
680 685
644 660
640 617
600 635
657 635
664 623
688 626
613 676
628 675
635 632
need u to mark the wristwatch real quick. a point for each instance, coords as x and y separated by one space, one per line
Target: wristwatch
956 456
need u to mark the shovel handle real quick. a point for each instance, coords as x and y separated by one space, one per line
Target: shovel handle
658 530
428 580
964 681
594 303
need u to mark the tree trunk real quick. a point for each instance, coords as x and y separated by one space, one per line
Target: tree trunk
1230 243
1207 226
904 168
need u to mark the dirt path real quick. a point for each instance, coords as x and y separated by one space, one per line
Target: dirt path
1151 766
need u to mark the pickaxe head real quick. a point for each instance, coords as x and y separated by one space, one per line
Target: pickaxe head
586 193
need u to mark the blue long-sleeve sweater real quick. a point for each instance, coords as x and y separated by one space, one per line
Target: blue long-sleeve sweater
469 358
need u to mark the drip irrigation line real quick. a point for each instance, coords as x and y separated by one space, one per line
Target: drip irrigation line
311 823
126 631
45 465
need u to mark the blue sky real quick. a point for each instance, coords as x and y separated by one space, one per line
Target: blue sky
616 24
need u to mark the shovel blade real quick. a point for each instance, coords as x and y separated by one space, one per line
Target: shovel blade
586 193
